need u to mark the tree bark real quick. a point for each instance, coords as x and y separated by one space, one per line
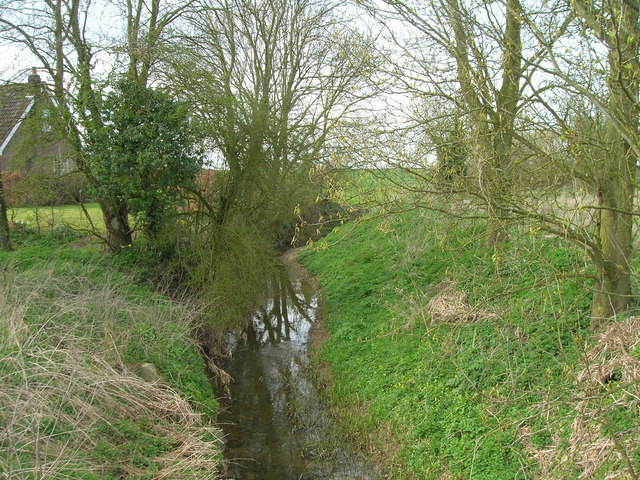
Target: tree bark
5 233
493 125
116 219
616 192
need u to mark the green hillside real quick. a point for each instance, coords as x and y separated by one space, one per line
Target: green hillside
455 360
78 338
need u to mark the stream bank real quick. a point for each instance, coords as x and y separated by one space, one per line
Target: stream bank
274 422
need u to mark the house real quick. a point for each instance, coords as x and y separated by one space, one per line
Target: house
35 162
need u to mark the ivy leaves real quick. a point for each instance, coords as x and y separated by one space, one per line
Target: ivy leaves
146 153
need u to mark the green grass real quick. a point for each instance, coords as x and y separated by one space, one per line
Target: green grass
155 330
74 326
458 394
366 188
48 218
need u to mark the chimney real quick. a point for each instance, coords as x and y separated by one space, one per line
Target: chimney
34 78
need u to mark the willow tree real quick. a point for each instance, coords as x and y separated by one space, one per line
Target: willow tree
618 182
272 81
492 121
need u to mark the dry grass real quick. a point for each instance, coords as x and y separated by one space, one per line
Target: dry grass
69 407
611 356
607 389
445 303
450 305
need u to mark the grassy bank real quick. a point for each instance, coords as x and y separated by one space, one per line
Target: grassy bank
77 336
459 361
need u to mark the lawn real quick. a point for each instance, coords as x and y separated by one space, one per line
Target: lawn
47 218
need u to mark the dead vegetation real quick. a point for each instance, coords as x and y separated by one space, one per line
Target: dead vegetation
450 305
604 434
444 303
70 407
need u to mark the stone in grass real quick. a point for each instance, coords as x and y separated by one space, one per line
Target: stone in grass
148 372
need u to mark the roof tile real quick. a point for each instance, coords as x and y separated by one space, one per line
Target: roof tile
14 99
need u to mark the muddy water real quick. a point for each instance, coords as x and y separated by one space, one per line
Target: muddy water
274 423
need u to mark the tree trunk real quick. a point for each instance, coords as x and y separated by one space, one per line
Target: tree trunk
615 230
615 233
611 291
5 234
116 219
492 125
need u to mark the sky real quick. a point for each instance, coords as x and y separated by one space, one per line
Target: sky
16 60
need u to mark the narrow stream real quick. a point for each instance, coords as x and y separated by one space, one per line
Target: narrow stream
274 424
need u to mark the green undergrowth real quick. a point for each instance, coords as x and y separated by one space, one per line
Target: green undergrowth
466 354
75 332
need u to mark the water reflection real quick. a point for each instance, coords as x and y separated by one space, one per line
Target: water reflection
285 315
274 423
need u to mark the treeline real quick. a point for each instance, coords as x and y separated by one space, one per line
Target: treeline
511 112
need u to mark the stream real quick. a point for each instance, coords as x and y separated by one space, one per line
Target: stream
274 423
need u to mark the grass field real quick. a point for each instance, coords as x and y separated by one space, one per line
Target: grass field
47 218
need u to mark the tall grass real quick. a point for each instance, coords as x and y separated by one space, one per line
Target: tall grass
73 332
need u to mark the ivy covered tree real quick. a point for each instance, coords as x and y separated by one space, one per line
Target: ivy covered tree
71 48
146 153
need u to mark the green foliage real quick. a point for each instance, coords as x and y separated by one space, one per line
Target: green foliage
146 154
132 441
179 362
24 235
459 389
229 269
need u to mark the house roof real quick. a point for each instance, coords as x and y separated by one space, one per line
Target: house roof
15 102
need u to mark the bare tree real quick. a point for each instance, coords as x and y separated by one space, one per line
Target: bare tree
524 76
470 57
273 80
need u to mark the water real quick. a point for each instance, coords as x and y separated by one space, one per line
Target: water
274 424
